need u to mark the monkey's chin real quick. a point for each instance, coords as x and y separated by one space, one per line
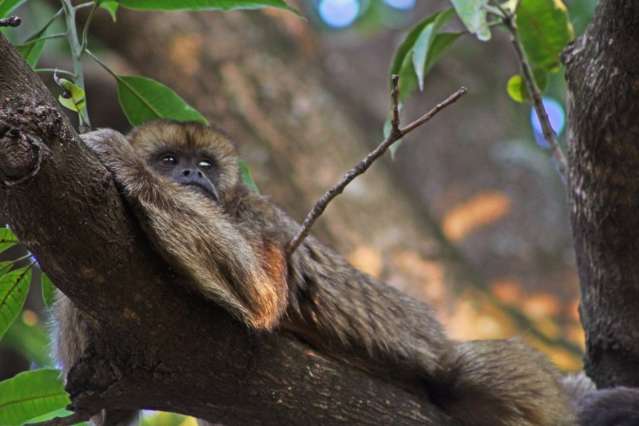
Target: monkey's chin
203 190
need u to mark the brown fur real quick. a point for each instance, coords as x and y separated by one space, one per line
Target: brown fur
234 253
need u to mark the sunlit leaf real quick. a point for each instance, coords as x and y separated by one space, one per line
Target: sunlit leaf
143 99
407 76
247 177
48 290
544 30
73 97
199 5
31 394
7 239
516 86
110 6
8 6
424 42
473 15
14 287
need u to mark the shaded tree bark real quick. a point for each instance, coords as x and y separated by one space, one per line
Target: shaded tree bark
603 79
160 348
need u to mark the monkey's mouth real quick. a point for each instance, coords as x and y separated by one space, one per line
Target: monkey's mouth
208 190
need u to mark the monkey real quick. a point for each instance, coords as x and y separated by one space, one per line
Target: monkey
617 406
183 184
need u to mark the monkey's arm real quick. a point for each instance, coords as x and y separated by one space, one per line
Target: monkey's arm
244 273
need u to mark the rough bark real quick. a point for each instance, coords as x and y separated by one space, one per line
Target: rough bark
603 78
160 348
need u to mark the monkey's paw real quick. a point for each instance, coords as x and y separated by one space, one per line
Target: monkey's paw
111 148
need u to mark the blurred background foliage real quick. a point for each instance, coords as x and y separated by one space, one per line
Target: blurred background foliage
478 174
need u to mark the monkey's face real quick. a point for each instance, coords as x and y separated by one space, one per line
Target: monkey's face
195 169
197 156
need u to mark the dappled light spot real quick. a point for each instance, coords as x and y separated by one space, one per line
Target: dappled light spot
338 13
30 318
507 290
482 209
367 260
401 4
541 305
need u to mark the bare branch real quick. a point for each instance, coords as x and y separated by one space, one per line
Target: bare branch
364 164
535 94
395 99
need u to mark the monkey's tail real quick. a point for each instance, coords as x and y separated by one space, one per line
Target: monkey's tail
502 383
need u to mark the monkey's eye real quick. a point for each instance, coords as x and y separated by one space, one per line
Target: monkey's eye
205 164
168 159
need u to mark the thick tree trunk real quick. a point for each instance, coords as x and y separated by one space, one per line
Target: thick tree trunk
603 78
160 348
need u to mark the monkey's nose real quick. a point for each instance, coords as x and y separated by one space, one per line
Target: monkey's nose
189 172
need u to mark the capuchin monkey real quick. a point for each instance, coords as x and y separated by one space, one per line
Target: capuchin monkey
182 181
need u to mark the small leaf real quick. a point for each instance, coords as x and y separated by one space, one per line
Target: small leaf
406 47
14 287
473 15
424 41
407 78
247 177
7 239
48 290
110 6
517 89
200 5
32 52
8 6
31 394
143 99
74 97
544 30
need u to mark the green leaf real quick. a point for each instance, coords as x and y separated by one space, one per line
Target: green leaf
200 5
7 239
5 267
424 41
74 97
143 99
407 76
8 6
247 177
32 52
48 290
14 287
473 15
110 6
31 340
544 30
517 89
31 394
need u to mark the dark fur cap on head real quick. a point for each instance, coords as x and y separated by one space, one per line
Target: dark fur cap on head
162 136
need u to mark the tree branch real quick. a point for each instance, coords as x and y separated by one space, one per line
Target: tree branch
535 94
395 135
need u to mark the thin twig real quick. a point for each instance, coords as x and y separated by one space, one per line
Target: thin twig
535 94
395 103
10 21
395 135
64 421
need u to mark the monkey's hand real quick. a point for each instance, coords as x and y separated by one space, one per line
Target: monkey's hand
115 152
228 264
